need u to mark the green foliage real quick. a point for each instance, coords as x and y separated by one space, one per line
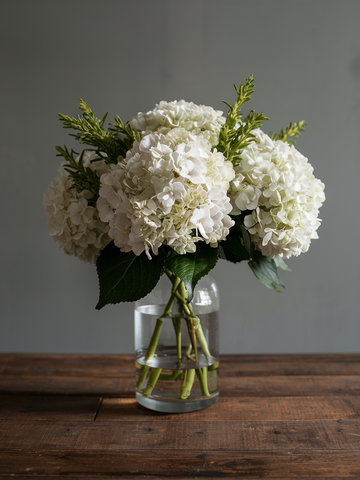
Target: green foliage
83 177
237 246
193 266
126 277
233 249
264 268
292 130
91 132
235 133
128 136
279 262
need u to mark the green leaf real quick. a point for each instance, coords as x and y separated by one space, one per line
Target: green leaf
233 247
264 268
239 224
193 266
126 277
279 262
247 241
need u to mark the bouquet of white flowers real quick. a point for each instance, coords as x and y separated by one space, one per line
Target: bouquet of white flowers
175 189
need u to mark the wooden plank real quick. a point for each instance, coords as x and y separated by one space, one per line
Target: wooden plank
22 408
231 365
108 386
124 386
189 464
101 476
66 365
101 436
281 385
244 409
290 364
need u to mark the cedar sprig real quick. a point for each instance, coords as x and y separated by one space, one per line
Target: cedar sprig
90 131
127 135
84 178
292 130
236 133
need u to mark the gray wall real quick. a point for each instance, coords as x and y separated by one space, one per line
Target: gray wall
125 56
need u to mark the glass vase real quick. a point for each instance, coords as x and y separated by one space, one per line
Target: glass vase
177 346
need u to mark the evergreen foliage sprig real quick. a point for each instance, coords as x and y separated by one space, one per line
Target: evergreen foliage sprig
292 130
128 135
236 133
83 177
91 131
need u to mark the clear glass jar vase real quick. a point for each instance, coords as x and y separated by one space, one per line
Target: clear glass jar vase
177 346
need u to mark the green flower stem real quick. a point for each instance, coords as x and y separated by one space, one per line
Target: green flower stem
176 282
195 331
214 366
159 322
152 381
156 334
182 296
192 336
201 337
154 340
201 374
187 383
176 321
142 376
195 321
177 327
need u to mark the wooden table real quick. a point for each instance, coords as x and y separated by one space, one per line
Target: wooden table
279 416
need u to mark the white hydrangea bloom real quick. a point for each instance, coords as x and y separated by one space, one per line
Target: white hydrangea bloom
197 119
170 189
72 222
276 182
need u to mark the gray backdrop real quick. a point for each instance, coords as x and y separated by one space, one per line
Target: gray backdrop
125 56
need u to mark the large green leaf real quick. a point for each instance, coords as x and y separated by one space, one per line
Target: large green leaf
237 246
233 248
265 270
279 262
193 266
247 241
126 277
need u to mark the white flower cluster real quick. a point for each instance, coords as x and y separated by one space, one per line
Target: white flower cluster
197 119
170 189
276 182
174 188
72 222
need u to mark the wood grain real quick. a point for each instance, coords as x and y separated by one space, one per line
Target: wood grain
244 409
21 408
286 385
278 416
68 365
60 385
124 386
231 365
190 464
166 435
